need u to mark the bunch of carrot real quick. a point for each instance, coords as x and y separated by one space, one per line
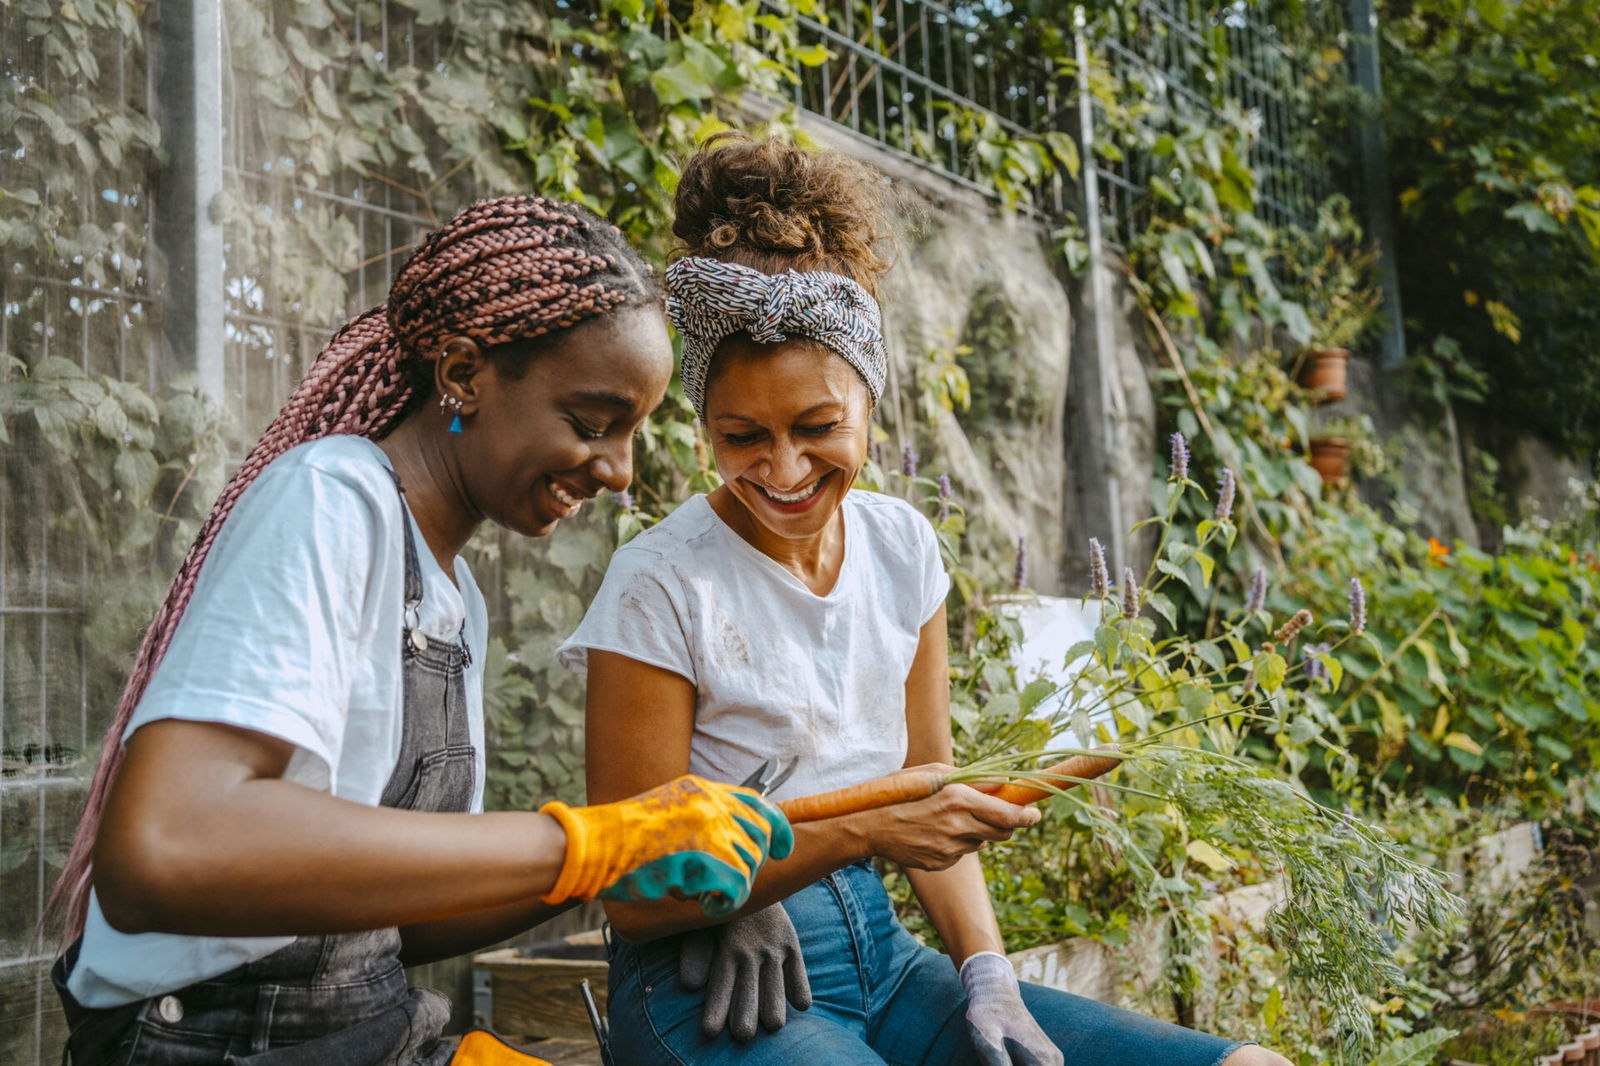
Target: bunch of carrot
909 786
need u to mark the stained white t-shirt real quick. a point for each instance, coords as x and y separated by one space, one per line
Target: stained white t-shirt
777 669
294 630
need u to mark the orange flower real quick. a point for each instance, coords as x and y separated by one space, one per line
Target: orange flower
1437 552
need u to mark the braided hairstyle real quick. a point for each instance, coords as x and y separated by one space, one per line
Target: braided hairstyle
510 274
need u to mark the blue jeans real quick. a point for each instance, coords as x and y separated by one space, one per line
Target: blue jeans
879 998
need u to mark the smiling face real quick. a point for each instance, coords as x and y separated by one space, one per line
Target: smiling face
788 425
542 441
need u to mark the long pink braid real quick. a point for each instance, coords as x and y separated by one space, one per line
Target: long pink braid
500 272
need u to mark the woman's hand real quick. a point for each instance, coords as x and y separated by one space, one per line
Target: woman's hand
689 837
934 833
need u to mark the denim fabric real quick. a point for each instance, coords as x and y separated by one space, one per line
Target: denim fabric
878 997
336 1000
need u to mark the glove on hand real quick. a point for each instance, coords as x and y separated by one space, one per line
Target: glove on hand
753 965
688 836
1003 1032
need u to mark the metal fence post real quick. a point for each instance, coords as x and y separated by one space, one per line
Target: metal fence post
1104 446
189 108
1375 179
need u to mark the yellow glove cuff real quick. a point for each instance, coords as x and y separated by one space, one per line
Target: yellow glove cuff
583 872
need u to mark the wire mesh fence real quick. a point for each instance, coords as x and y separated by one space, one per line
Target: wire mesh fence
922 78
98 308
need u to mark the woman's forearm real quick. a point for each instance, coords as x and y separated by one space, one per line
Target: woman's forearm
957 903
820 848
237 851
445 938
273 858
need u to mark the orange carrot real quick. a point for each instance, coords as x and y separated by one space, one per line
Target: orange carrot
905 786
1028 791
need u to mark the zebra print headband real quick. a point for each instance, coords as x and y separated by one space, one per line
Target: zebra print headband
709 300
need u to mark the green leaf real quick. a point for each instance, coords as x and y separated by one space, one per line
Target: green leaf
1036 691
1206 853
1415 1050
1172 569
1195 698
1516 626
814 56
1270 670
1209 653
134 473
1435 675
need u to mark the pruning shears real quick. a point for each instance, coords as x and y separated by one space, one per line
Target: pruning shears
768 776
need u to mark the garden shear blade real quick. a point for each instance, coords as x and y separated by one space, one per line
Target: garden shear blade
769 775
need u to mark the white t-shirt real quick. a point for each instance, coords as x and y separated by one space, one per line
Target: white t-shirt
777 669
294 630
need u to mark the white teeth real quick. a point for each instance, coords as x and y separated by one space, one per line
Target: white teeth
565 497
804 494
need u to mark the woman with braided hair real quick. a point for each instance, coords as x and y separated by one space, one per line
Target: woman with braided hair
280 816
786 614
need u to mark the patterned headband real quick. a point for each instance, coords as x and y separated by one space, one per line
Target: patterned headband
709 300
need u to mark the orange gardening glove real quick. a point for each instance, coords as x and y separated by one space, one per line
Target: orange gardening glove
689 836
479 1047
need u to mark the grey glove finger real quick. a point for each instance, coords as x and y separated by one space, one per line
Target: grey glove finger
988 1053
795 979
1018 1054
695 952
745 1013
719 992
774 1004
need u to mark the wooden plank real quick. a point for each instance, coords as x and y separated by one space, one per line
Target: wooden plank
540 997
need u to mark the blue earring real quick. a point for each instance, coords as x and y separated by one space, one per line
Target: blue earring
445 403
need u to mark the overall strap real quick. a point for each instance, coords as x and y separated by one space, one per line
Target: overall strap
413 567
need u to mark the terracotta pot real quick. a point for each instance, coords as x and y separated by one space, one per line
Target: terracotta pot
1326 369
1330 455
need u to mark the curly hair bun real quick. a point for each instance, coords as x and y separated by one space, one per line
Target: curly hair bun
772 206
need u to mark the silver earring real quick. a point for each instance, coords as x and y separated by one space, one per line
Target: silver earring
447 402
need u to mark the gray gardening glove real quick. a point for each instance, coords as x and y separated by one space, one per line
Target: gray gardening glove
748 967
1003 1032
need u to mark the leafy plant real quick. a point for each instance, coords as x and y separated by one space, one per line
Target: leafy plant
1491 117
1334 271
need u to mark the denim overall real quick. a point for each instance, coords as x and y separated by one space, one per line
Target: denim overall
337 1000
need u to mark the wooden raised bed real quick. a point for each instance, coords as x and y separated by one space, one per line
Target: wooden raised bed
537 996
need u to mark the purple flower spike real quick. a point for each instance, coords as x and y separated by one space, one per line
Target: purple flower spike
1019 574
1099 576
908 460
944 498
1358 606
1225 491
1258 590
1180 457
1316 669
625 500
1130 594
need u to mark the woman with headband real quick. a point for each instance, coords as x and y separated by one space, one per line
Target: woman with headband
785 614
279 820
